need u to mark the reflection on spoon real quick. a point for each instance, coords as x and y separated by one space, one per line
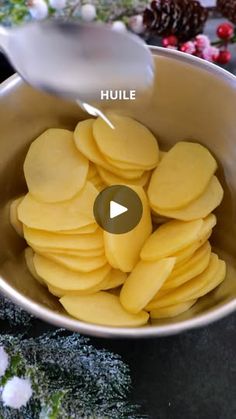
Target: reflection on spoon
94 112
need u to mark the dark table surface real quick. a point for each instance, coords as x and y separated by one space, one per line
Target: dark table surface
189 376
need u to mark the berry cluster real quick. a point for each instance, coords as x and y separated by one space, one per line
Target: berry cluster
202 47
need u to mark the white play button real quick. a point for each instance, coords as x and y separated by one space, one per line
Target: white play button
116 209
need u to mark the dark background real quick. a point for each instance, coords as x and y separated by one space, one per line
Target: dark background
189 376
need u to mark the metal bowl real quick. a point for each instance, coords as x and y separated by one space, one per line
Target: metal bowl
191 99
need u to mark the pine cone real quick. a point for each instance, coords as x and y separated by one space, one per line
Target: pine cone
227 9
182 18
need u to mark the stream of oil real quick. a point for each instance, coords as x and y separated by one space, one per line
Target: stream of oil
93 111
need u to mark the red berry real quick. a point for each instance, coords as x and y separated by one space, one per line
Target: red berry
170 41
225 31
188 47
224 57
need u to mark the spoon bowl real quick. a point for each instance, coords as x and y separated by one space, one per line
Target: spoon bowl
77 60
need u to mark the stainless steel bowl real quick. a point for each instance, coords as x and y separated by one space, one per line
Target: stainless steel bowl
191 99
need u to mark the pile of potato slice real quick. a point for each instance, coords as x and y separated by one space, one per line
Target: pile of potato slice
153 271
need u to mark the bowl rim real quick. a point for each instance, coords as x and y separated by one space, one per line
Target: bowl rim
65 321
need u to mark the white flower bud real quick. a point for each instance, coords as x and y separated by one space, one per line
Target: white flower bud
136 24
38 9
88 12
17 392
119 26
4 361
58 4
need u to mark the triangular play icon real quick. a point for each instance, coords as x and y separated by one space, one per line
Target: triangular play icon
116 209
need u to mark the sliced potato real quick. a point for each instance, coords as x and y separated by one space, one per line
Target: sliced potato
75 213
122 165
29 259
69 252
171 311
102 308
78 263
14 220
58 292
181 177
114 279
85 142
189 290
120 144
65 279
193 267
170 238
184 255
54 168
122 250
214 282
55 241
90 228
208 224
206 230
144 282
201 207
111 179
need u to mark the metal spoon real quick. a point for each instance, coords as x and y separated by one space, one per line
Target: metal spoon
77 60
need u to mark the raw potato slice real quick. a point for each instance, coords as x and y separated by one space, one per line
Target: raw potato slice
170 238
55 241
189 290
130 142
122 250
114 279
90 228
201 207
102 308
77 263
193 267
181 177
122 165
75 213
54 169
70 252
144 282
184 255
58 292
84 141
29 259
65 279
14 220
216 280
111 179
171 311
208 223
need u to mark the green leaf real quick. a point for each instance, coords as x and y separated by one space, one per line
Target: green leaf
13 369
52 409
